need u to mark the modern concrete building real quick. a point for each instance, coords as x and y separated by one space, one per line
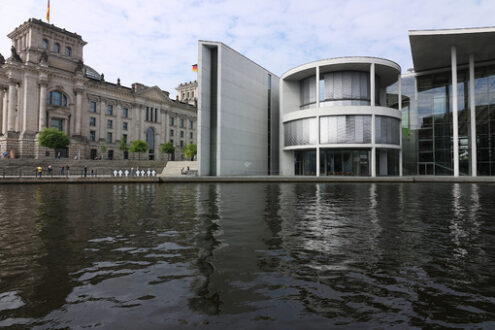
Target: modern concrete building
334 119
357 115
45 83
238 120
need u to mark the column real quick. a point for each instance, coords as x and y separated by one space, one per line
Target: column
399 100
42 120
1 111
318 121
455 125
472 107
5 112
372 103
12 105
78 119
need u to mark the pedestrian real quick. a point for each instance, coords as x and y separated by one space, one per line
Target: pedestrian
58 155
50 169
40 171
67 173
62 170
85 171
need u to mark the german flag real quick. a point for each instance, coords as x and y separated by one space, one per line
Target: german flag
195 67
48 12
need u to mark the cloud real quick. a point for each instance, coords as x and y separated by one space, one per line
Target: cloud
155 42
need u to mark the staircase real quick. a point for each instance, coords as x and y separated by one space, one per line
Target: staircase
173 168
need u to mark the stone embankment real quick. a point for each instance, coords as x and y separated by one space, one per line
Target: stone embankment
26 167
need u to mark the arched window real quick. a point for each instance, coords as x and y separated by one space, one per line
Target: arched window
68 51
150 138
44 44
57 98
56 47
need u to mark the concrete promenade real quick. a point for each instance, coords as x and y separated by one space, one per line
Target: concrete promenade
245 179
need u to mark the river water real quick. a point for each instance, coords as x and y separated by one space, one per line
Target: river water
289 256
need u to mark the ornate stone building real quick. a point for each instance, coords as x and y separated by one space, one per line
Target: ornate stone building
188 92
45 83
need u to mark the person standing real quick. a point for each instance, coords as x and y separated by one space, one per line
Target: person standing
67 168
50 170
40 171
85 171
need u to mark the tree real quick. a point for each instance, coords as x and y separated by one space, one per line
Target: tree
123 146
53 138
167 148
190 150
138 146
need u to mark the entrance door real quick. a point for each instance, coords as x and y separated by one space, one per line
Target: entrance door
93 154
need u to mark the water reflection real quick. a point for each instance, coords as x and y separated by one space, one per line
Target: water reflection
256 255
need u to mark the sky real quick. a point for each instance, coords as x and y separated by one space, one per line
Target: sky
155 42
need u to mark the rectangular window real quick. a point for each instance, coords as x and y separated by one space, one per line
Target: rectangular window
171 121
124 126
92 106
57 123
109 137
181 134
147 113
171 132
181 143
109 123
124 138
182 123
172 140
92 121
125 113
156 115
110 110
191 135
191 124
92 136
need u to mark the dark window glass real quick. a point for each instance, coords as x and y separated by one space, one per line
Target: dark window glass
147 113
124 126
124 138
57 123
191 135
181 144
156 115
191 124
124 113
110 110
171 132
68 51
109 123
56 47
92 135
44 44
182 123
92 121
171 121
109 137
181 134
92 106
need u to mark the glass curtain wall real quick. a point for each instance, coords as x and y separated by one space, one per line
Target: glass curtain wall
344 162
484 85
305 162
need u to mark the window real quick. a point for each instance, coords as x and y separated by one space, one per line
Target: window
124 138
124 126
68 51
92 121
181 143
182 123
171 132
56 48
124 113
110 110
191 124
109 123
57 98
172 141
156 115
147 113
92 135
192 94
57 123
109 137
181 134
44 44
191 135
187 94
92 106
171 121
183 96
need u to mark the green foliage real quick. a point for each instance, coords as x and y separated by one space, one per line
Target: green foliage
53 138
167 148
138 146
123 145
190 150
103 148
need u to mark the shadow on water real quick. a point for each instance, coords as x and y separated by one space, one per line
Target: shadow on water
251 255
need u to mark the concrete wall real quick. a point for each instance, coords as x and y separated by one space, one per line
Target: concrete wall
239 140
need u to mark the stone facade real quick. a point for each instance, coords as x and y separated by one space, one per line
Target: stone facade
45 83
188 92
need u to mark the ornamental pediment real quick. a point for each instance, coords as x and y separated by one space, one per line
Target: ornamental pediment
153 93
